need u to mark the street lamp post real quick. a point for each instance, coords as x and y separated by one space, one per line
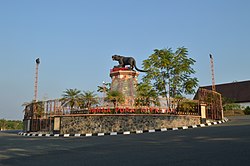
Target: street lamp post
36 79
35 96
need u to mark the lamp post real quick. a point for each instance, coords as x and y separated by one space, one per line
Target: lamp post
36 79
34 127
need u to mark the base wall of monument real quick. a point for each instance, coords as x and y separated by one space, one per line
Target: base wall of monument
105 123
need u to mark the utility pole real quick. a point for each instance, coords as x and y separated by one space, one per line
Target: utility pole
212 70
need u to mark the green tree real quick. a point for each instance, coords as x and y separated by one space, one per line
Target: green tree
11 124
247 110
38 108
26 104
105 88
115 97
146 94
89 98
186 105
3 124
170 72
232 106
71 97
229 104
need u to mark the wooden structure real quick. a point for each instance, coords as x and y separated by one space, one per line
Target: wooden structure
213 102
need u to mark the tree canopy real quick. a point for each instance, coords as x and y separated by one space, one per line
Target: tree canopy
146 94
105 88
115 97
11 124
171 72
89 98
71 97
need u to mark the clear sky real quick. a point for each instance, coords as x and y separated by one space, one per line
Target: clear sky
75 40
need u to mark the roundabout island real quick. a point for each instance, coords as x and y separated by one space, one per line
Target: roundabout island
123 112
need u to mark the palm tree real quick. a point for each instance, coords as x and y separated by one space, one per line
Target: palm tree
3 123
146 94
105 88
115 97
89 98
71 97
26 103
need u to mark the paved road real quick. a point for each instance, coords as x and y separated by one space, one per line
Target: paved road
224 144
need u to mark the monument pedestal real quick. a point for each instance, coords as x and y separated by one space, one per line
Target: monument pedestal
125 81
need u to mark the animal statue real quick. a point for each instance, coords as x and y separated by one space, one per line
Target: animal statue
123 61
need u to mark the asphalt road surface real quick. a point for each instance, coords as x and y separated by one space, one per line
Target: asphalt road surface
224 144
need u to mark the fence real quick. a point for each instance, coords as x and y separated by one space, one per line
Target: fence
41 114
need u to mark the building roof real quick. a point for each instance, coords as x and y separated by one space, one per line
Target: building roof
239 92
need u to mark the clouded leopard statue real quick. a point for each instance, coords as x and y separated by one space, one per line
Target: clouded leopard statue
123 61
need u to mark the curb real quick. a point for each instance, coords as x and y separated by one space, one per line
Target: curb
125 132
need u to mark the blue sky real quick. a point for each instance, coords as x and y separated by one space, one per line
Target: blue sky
75 40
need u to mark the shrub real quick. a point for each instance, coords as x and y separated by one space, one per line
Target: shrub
232 106
11 124
247 110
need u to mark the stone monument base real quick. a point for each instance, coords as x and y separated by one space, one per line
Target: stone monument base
125 81
107 123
